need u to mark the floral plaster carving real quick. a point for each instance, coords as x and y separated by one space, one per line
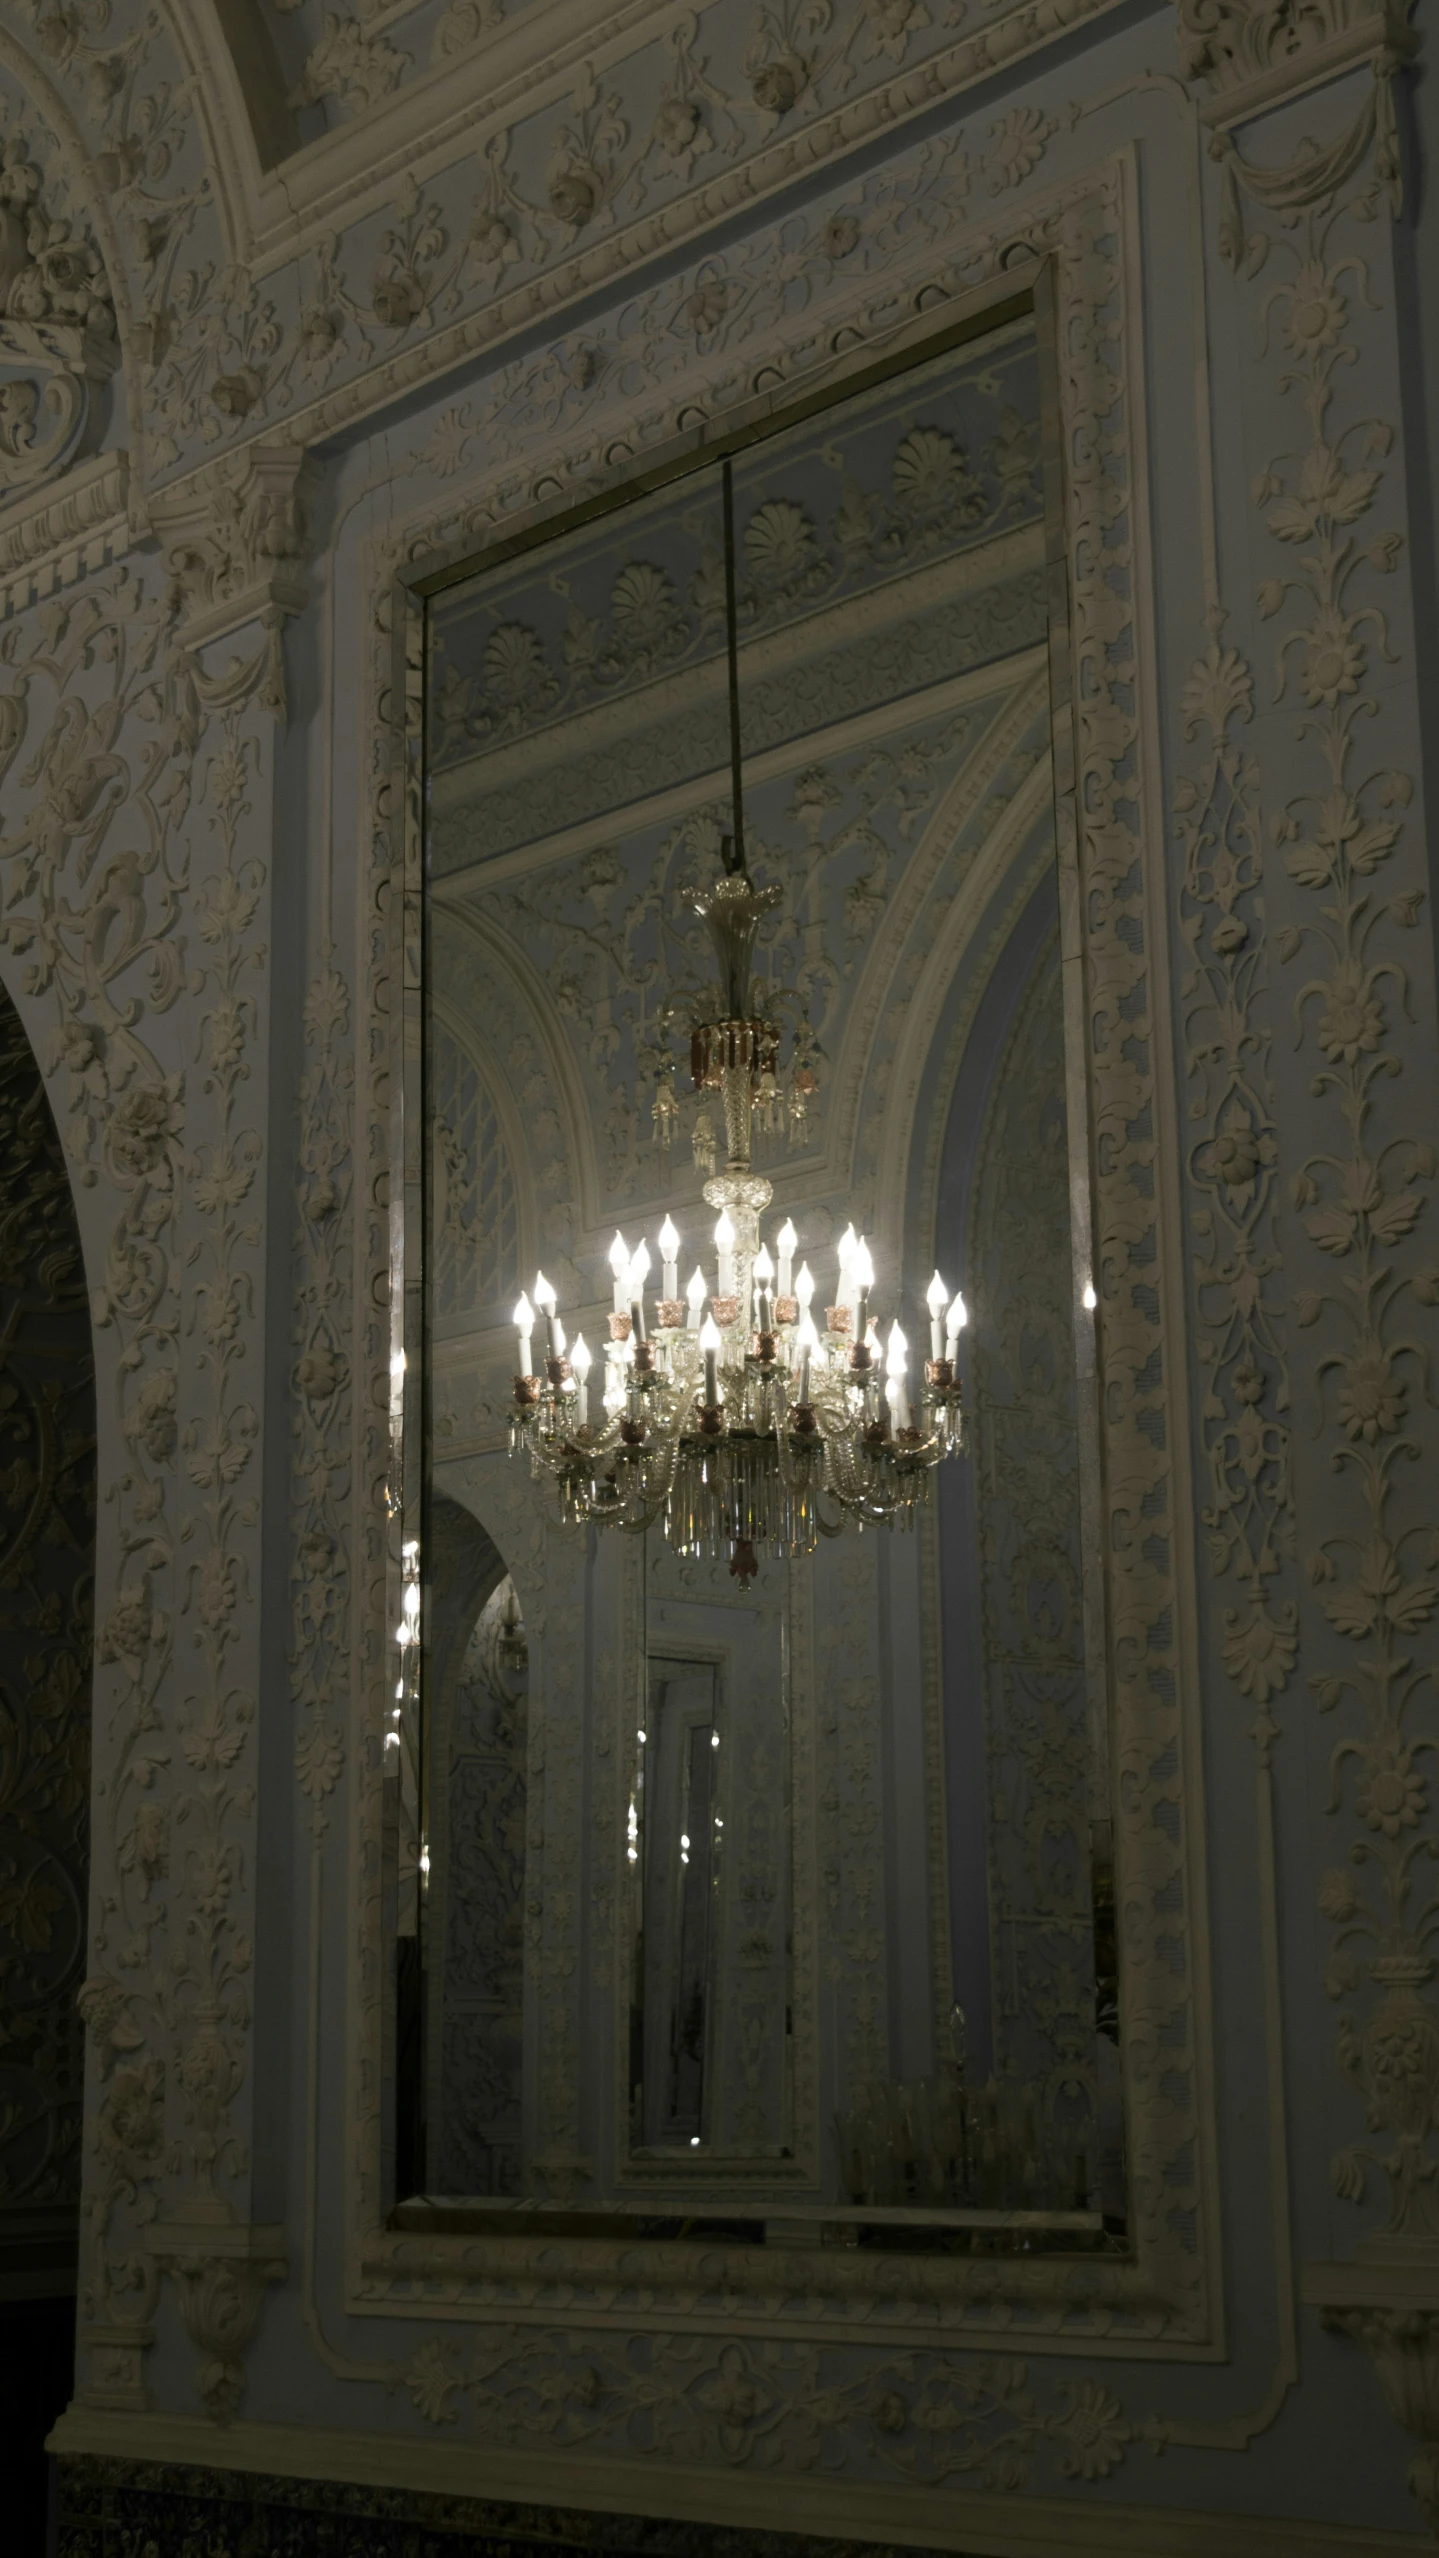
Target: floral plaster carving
1358 1196
57 325
1233 1159
1345 876
777 2409
131 890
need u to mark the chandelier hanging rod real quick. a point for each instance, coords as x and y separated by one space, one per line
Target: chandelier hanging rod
736 861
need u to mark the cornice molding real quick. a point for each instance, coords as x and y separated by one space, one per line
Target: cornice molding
323 201
52 537
1260 54
531 61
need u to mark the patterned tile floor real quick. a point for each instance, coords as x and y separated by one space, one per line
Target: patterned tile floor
136 2509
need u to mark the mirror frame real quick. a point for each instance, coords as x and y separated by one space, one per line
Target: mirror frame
1076 262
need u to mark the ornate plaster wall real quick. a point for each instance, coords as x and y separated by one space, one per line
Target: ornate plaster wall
279 317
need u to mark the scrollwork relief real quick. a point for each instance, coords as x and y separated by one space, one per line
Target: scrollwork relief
777 2408
58 342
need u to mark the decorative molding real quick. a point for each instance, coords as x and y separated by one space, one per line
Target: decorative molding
1393 2312
52 538
1257 54
114 2351
235 538
539 161
220 2271
1233 1154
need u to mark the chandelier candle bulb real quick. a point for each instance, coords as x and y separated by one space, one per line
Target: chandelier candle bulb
545 1300
937 1298
763 1273
615 1377
695 1294
620 1265
862 1276
711 1345
670 1257
958 1318
807 1339
785 1243
844 1295
580 1362
525 1327
895 1356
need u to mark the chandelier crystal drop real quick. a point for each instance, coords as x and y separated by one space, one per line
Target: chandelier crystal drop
732 1421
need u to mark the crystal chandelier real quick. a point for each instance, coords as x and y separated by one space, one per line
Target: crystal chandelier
732 1422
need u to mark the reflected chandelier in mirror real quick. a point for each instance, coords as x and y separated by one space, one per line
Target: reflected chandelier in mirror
732 1430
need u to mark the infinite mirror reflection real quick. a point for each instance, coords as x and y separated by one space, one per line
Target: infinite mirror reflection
773 1902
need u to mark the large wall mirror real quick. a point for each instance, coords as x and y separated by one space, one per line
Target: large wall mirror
773 1902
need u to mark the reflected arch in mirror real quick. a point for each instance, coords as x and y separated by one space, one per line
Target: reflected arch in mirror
470 1934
